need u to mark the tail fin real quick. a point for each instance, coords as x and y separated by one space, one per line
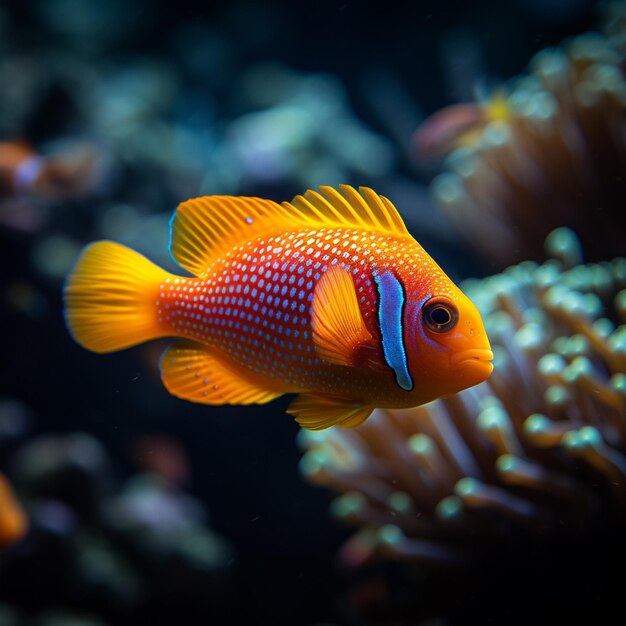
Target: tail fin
110 298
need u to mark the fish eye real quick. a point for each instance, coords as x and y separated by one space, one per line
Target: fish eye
440 315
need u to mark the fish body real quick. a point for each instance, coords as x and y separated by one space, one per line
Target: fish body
324 297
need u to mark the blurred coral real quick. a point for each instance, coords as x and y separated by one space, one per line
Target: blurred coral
547 150
163 456
534 457
300 130
131 554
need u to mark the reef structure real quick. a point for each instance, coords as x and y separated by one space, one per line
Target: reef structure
535 456
548 149
79 547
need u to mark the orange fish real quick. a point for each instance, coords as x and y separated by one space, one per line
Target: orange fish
327 296
13 521
65 174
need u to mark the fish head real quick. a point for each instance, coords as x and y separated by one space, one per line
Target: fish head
449 349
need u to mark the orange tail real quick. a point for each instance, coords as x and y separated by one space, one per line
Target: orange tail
110 298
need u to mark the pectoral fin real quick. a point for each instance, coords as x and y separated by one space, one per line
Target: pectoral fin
190 371
338 327
316 411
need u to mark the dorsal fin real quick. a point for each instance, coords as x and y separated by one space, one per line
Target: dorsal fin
206 228
349 208
203 229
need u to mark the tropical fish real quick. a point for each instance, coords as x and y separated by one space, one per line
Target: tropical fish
327 296
65 174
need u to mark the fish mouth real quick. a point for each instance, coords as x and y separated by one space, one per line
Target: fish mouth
475 355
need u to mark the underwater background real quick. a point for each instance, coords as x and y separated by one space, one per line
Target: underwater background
120 504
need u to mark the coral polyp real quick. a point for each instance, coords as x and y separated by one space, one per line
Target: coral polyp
555 156
538 450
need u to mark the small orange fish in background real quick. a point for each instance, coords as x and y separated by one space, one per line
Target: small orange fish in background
13 520
57 176
327 296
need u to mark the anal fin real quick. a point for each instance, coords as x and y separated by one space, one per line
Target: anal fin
316 411
191 371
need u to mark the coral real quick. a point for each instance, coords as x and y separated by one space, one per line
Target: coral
125 554
533 457
548 150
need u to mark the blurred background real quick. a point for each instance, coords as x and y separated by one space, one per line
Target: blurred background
143 508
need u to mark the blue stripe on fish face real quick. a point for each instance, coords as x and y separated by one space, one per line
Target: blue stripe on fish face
390 309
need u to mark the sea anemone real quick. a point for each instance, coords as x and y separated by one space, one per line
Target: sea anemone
532 459
547 150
